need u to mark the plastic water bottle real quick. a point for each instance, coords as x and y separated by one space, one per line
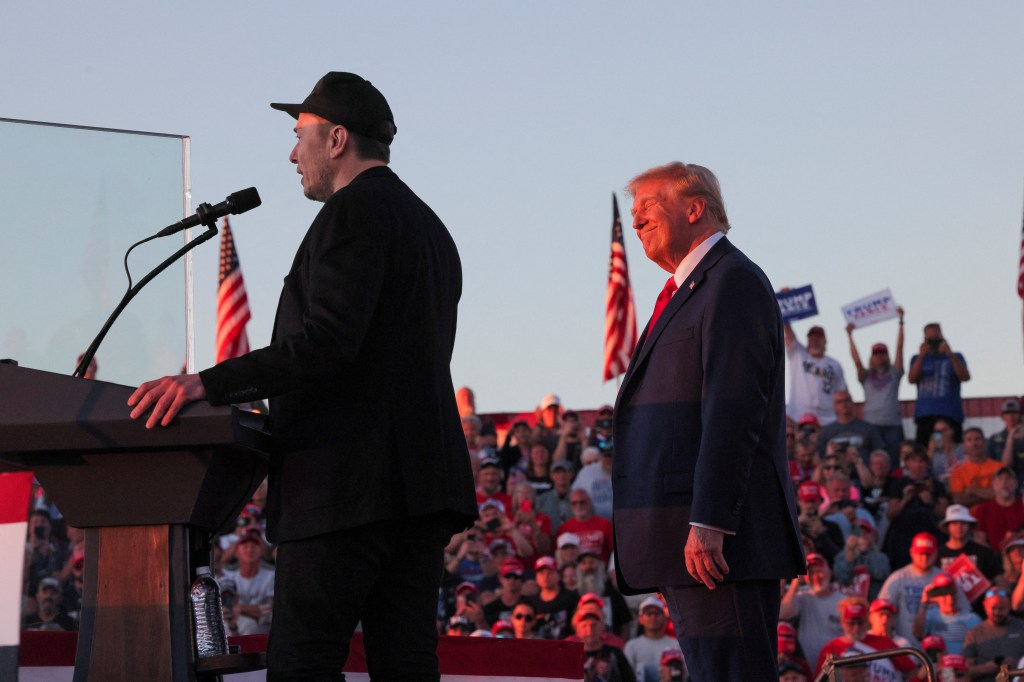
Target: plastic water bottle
208 615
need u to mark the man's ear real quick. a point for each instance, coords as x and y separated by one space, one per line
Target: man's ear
695 209
337 141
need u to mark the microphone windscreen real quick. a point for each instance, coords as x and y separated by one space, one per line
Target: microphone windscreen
244 200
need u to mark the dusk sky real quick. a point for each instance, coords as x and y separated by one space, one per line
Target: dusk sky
859 146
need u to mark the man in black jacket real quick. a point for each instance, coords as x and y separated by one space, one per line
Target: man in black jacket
358 371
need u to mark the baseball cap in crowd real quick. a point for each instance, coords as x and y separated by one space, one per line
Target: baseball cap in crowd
490 462
923 543
591 598
503 628
957 512
590 454
789 667
883 605
465 586
545 562
568 539
816 331
587 611
808 419
652 602
460 622
670 655
933 642
251 535
815 559
954 662
865 525
550 400
1016 542
941 584
809 491
605 409
563 465
512 567
227 585
786 630
1011 405
349 100
854 611
499 545
50 582
491 502
879 348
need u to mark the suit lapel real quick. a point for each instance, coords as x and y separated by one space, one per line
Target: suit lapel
650 336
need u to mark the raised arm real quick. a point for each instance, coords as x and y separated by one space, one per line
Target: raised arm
861 372
898 358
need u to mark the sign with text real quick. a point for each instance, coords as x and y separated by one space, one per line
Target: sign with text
967 575
871 309
796 304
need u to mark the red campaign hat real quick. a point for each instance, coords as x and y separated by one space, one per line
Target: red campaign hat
942 579
669 655
591 598
786 630
923 543
815 559
545 562
883 605
500 625
808 418
809 491
512 565
465 587
854 611
933 642
955 662
879 348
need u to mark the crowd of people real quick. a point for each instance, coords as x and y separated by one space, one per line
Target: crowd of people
909 542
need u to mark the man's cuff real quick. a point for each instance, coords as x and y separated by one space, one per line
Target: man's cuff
720 530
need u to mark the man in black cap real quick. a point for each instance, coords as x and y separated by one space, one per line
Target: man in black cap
358 368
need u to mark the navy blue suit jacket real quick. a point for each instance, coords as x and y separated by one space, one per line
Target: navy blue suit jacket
700 432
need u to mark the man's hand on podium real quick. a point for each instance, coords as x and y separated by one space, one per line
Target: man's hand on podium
167 396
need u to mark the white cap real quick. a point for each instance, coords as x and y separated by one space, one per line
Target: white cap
549 400
568 539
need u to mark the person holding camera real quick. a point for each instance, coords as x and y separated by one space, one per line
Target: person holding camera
940 614
570 440
916 503
938 372
823 536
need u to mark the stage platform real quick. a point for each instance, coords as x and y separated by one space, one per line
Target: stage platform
50 657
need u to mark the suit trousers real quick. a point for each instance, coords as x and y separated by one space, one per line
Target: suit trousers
728 633
385 574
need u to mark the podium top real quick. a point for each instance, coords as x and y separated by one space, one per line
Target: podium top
47 412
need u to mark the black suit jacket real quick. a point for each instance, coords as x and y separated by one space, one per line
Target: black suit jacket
362 407
700 432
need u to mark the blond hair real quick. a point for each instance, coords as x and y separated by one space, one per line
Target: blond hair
691 180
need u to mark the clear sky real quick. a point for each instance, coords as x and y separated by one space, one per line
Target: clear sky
859 146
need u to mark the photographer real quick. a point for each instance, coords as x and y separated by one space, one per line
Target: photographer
600 435
938 372
916 504
825 537
472 563
570 440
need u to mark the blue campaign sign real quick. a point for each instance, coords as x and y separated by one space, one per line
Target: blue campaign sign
796 304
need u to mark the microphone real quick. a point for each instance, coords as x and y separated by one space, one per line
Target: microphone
237 202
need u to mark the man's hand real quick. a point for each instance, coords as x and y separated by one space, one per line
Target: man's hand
703 553
166 396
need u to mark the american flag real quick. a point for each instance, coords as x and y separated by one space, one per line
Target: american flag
232 303
619 314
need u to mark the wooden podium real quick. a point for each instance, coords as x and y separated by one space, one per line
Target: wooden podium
149 501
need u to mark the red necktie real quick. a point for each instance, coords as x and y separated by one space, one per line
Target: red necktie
663 298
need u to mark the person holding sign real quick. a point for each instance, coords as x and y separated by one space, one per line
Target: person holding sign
881 382
813 376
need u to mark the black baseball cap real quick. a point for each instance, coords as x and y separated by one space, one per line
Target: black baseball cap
349 100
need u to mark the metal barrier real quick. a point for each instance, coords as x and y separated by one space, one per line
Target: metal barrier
828 670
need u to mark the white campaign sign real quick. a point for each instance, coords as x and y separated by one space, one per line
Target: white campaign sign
871 309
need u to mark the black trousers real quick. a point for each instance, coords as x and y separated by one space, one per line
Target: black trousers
728 634
385 574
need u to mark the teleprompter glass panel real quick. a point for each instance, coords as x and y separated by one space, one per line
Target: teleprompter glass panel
72 200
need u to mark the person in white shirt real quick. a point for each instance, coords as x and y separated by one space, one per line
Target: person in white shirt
813 376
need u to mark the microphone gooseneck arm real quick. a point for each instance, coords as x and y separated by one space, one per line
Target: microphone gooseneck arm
133 290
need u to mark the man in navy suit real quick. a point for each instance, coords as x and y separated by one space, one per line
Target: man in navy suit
369 473
704 508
